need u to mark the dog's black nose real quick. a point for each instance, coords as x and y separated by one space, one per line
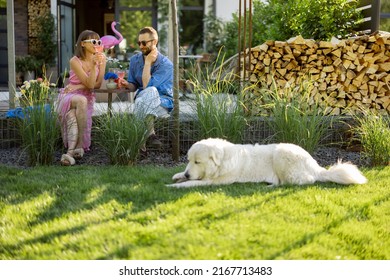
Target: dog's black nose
187 175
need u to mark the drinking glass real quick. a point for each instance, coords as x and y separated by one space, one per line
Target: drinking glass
99 49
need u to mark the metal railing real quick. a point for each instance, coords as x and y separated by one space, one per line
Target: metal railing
371 16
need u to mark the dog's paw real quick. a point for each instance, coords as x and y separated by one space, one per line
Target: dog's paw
172 186
179 177
180 180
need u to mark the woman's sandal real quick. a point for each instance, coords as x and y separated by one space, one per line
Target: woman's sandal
78 153
67 160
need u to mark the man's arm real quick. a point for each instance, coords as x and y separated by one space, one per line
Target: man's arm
149 60
131 86
146 74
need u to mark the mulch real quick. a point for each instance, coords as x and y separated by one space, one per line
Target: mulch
325 156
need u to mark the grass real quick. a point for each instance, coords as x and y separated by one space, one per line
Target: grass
120 212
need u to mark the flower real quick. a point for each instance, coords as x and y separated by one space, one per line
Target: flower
36 91
110 76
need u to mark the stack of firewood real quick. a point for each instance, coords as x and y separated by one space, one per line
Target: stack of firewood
347 75
36 8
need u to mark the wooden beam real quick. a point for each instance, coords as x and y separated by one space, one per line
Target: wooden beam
11 53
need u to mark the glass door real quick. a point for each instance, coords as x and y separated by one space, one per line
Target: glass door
133 15
66 30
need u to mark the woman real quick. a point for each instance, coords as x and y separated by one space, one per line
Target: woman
76 100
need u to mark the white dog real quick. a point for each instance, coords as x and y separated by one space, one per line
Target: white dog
219 162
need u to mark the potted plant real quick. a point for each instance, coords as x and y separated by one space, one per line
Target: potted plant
114 63
112 79
27 65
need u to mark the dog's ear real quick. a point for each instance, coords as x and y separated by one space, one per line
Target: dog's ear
216 154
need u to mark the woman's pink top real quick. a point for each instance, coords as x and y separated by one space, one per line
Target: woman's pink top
74 80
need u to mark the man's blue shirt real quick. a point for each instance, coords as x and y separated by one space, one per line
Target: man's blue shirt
161 76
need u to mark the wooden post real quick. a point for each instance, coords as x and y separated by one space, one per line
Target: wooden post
11 53
250 36
239 39
109 101
244 37
175 113
244 45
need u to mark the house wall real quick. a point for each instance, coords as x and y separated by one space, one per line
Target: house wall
225 8
21 27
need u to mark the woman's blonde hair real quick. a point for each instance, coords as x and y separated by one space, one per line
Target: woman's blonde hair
85 35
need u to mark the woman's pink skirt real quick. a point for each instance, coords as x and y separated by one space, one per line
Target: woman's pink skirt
64 102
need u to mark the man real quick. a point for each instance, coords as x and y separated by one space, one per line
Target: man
151 77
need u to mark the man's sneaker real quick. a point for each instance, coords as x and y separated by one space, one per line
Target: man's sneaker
154 142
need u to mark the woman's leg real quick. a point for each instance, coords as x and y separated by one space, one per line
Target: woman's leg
71 140
76 122
72 130
79 105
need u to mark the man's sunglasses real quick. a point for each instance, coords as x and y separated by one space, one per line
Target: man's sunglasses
94 41
144 42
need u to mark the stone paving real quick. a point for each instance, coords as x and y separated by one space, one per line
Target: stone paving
186 105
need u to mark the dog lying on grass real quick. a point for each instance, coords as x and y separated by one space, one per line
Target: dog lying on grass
218 162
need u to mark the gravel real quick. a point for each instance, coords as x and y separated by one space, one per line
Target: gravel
325 156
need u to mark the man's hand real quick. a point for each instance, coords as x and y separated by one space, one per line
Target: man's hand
152 56
122 83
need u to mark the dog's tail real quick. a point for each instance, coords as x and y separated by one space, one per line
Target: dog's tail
343 173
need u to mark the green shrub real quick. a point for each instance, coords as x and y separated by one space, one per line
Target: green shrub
283 19
373 131
122 135
40 133
39 127
319 19
218 104
26 63
220 115
295 117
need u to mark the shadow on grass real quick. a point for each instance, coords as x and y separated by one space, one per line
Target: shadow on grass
361 213
12 250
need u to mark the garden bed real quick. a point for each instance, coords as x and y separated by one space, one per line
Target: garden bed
336 145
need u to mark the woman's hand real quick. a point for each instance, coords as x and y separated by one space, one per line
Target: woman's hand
70 88
98 58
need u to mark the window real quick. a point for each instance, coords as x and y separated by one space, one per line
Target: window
191 13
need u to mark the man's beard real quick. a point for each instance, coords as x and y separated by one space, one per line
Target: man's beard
146 51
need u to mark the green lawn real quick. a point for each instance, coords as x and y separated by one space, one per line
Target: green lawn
115 212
